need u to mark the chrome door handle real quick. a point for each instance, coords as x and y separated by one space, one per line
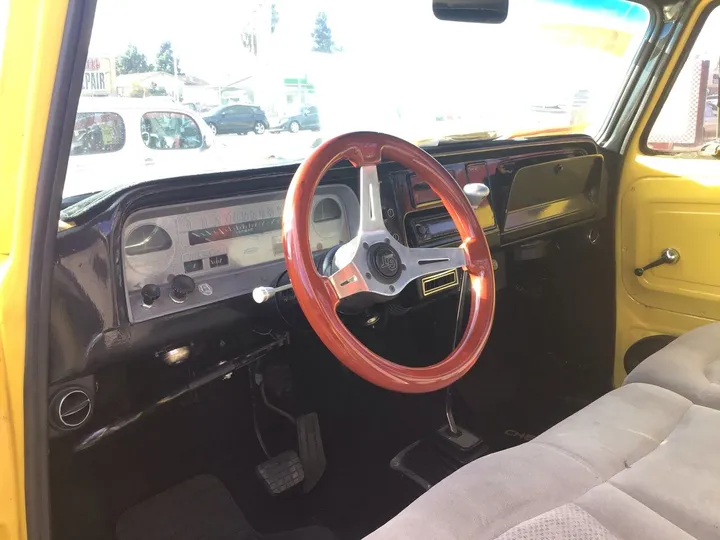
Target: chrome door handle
667 256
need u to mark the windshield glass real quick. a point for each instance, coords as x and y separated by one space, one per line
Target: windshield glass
315 69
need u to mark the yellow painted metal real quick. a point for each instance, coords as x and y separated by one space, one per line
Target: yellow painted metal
666 202
32 46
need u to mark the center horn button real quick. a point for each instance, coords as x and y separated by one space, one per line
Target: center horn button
384 262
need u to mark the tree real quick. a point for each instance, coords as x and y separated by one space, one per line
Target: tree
166 60
322 35
249 41
133 61
137 91
274 18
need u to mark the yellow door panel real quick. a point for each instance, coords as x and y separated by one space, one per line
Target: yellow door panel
670 203
660 213
666 201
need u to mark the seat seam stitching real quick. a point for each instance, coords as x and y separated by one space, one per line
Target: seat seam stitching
657 446
646 506
576 458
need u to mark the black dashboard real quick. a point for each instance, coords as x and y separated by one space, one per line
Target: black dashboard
172 263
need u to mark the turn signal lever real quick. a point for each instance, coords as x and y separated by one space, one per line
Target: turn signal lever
668 256
263 294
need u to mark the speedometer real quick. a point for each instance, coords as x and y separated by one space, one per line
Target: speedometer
149 249
147 239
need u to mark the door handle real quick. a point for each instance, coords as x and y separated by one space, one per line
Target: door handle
667 256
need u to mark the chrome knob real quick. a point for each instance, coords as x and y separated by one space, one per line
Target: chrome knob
476 193
263 294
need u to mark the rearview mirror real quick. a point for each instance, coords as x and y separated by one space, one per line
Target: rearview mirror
481 11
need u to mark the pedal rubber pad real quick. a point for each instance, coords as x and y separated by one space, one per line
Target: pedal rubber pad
310 447
281 472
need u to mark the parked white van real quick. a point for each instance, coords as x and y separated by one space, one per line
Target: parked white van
126 140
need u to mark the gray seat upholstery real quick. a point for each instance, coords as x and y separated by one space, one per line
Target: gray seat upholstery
642 462
690 366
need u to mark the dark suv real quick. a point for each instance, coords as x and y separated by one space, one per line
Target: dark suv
238 119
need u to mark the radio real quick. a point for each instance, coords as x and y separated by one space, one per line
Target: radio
432 230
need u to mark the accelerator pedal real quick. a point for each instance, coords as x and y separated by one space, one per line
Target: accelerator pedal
310 447
282 472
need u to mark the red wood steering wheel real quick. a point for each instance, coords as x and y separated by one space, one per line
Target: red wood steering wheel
374 262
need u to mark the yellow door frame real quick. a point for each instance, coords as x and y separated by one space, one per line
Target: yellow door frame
27 77
634 320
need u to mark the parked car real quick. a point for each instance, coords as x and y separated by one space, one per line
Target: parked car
240 119
308 118
135 138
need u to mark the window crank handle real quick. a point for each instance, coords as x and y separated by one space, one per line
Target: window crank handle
667 256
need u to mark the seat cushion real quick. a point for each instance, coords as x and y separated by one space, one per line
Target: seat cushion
640 462
690 366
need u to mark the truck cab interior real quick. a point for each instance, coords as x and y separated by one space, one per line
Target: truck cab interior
472 305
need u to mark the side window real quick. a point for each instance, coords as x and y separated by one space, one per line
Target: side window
688 120
170 131
231 110
97 133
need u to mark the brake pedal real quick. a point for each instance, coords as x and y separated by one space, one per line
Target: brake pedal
282 472
310 447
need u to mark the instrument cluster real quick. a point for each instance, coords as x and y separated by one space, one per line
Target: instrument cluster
182 256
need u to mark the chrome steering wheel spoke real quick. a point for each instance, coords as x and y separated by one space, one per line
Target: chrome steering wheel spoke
371 218
373 261
423 261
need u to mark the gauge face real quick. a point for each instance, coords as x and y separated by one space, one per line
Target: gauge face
327 224
147 239
327 210
149 250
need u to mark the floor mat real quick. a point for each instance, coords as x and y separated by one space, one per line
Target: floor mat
198 509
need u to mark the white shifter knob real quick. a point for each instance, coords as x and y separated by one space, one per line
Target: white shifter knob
476 193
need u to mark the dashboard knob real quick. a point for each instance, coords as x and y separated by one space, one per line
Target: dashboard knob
182 286
150 293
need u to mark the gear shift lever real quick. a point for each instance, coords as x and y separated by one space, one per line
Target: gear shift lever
459 438
452 426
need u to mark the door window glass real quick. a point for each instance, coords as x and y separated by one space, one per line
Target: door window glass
688 120
170 131
97 133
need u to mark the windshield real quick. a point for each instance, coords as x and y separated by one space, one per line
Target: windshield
312 70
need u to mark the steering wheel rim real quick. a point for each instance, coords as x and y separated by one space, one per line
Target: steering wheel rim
319 296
